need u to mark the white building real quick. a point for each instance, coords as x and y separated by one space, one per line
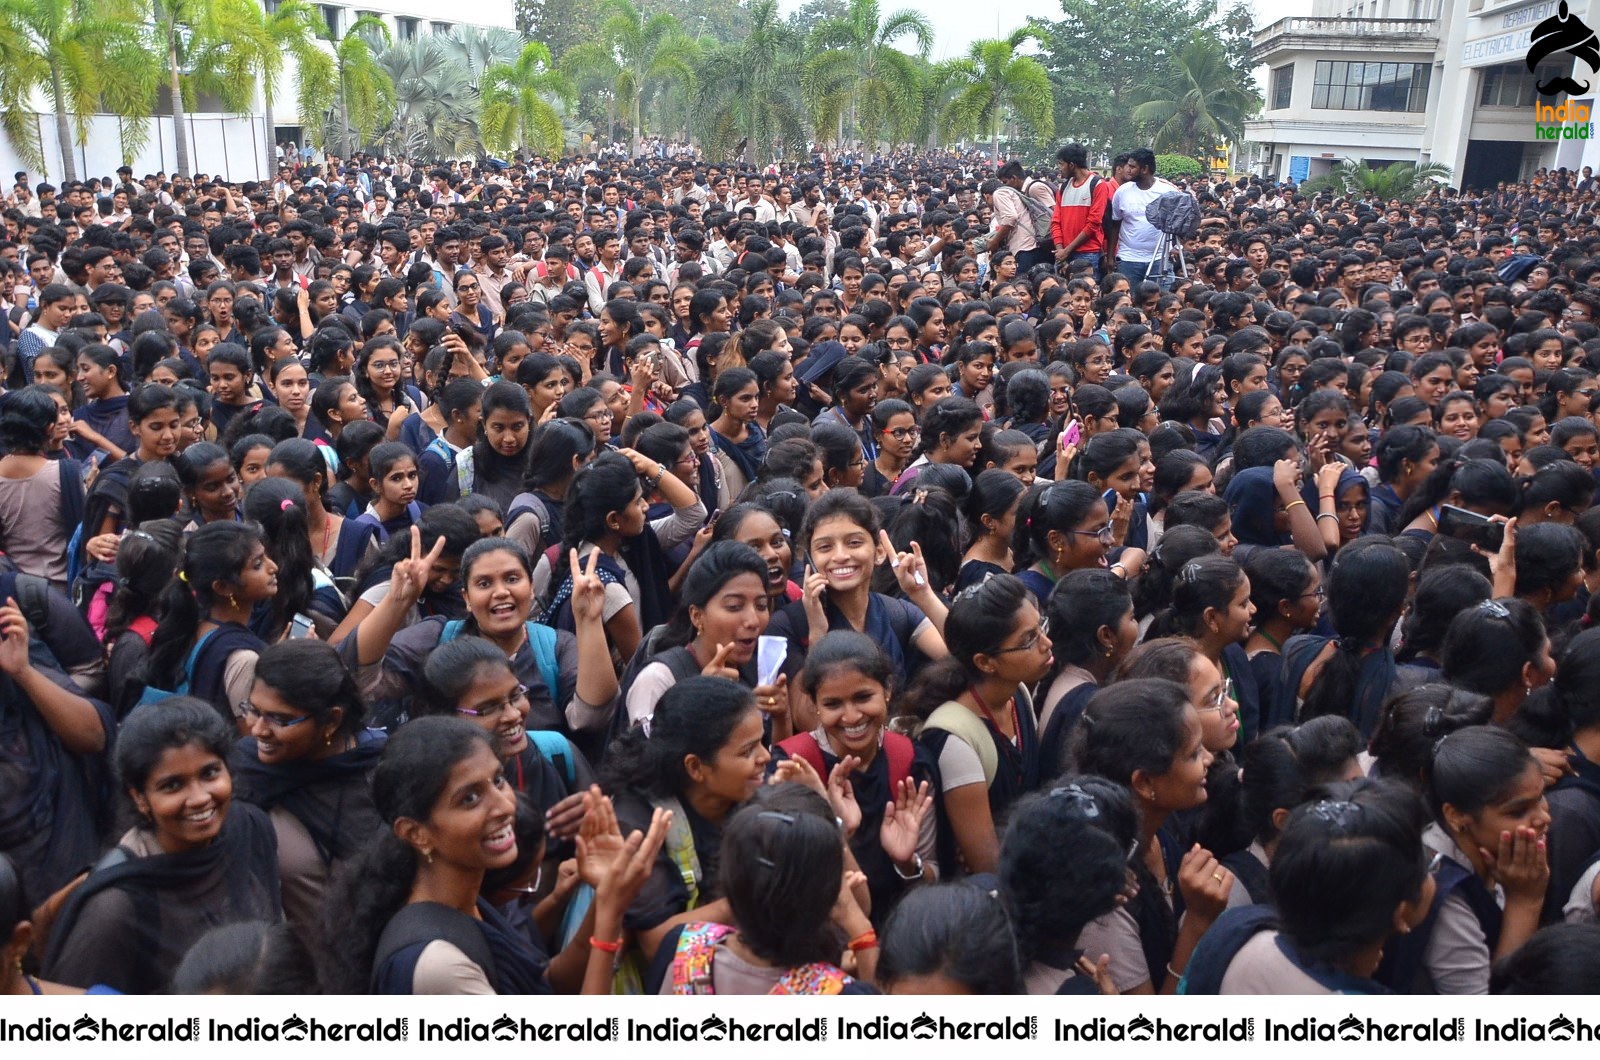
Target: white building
1443 81
233 145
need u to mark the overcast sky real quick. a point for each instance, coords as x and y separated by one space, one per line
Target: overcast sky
957 23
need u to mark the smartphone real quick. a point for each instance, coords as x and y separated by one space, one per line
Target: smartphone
1471 527
301 627
1071 435
715 515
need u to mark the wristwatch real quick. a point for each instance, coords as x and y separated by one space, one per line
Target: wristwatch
916 874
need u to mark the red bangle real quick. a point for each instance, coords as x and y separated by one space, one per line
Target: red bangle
867 940
605 947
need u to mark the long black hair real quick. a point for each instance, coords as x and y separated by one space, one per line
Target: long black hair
217 552
1366 590
408 782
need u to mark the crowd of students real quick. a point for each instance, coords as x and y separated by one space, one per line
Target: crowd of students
655 576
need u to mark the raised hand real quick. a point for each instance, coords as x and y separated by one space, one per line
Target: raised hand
1204 883
718 665
842 797
13 638
909 568
588 591
411 575
902 820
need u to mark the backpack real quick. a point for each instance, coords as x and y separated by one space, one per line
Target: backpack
414 510
542 639
528 503
691 966
1221 944
1107 221
430 921
152 694
897 748
1175 214
631 966
1039 215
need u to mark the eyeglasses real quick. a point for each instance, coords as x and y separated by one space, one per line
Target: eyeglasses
1029 642
384 366
276 721
1224 693
513 702
1320 593
900 434
1105 534
466 287
531 891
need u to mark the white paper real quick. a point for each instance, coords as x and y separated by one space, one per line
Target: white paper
770 655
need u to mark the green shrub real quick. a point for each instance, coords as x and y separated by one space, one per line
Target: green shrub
1178 166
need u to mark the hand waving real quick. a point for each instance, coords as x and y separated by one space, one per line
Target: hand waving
902 820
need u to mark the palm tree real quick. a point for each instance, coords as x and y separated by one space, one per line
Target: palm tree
252 51
638 54
1401 180
86 56
750 91
1199 104
517 106
995 80
435 111
183 29
359 86
854 60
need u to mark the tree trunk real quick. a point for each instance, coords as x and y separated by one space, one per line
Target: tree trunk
58 92
344 120
637 120
271 172
180 135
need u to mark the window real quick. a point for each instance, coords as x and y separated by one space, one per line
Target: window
1513 86
1282 86
441 28
406 28
1371 86
330 15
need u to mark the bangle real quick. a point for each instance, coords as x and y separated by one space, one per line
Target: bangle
867 940
1173 971
916 873
1325 496
604 946
661 473
1119 568
1327 515
1290 506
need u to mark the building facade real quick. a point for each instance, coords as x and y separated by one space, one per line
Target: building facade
1445 81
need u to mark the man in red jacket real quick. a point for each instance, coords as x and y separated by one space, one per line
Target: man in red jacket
1081 207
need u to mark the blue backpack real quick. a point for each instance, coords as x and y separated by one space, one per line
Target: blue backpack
542 639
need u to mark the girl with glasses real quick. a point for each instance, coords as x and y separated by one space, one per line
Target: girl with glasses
1211 604
977 715
306 762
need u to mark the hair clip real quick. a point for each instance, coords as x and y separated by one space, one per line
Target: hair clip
644 725
1432 722
1495 608
1082 800
285 504
1339 813
139 534
1189 572
774 815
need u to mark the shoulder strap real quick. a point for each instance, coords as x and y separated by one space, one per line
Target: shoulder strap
145 626
691 964
368 519
960 722
901 752
680 848
426 921
452 630
189 663
33 597
557 751
542 640
1221 944
804 745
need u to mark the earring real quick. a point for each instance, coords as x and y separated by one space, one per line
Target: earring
429 855
233 601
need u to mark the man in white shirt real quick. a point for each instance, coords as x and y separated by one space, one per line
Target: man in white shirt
1138 242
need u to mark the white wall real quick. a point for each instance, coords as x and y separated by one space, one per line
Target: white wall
226 145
